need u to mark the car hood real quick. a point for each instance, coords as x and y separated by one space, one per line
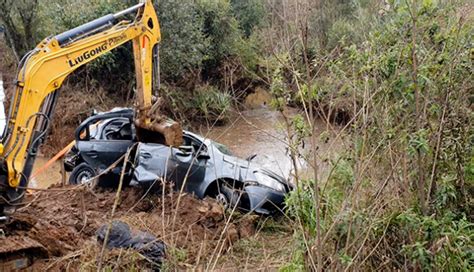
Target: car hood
237 161
272 174
248 168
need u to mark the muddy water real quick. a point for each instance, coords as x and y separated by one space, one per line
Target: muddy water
50 176
258 131
262 132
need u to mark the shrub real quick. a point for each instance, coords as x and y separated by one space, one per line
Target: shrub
404 198
211 104
205 103
251 14
443 243
183 45
222 30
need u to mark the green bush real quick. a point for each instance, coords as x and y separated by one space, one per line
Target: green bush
444 243
200 39
205 103
251 14
211 104
417 115
222 30
183 45
113 71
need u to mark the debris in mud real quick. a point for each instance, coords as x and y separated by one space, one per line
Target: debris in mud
63 222
120 236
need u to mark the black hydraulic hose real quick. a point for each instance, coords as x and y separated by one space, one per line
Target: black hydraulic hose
43 127
35 141
23 138
100 23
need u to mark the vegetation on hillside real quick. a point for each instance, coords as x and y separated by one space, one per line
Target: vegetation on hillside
396 75
400 195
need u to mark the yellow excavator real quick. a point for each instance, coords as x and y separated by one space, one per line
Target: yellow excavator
41 73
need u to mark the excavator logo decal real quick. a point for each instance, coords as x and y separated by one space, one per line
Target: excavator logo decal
87 55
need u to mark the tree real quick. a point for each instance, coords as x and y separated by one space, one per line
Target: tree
19 19
250 14
183 44
222 30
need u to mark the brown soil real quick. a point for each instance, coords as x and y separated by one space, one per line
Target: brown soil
64 221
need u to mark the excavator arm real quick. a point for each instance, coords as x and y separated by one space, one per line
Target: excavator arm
42 72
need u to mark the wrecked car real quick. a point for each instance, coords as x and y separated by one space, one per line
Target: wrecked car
199 166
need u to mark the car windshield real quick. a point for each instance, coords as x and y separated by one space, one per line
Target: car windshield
222 148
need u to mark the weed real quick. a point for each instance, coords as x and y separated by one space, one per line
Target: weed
211 103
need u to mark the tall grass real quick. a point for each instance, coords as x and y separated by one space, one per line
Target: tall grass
400 197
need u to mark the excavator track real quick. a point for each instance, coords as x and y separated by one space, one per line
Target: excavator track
18 251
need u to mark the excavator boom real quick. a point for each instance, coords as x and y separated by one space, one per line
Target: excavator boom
42 72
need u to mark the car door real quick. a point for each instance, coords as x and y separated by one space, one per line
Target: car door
190 165
99 150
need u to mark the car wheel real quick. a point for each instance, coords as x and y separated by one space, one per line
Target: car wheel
227 196
81 173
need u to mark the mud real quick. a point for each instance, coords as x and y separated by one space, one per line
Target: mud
63 223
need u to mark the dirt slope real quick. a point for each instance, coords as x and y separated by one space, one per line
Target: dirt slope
64 222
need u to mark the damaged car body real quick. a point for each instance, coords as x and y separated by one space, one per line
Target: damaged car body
199 166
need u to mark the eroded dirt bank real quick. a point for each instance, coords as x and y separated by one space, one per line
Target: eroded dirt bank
64 220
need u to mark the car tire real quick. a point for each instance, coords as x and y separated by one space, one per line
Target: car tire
81 173
227 196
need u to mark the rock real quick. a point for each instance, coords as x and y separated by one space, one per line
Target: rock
247 226
232 234
215 212
259 99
